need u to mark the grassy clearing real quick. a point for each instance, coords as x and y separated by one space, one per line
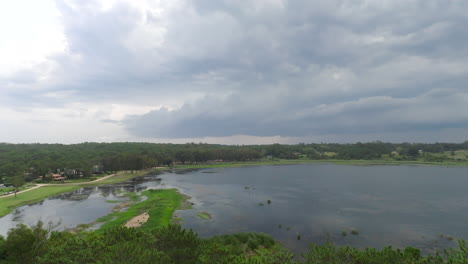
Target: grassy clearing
7 204
160 205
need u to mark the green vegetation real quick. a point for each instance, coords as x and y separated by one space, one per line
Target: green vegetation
173 245
80 228
354 232
159 204
112 201
204 215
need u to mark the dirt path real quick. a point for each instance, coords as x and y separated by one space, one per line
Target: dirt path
27 190
82 183
138 220
63 184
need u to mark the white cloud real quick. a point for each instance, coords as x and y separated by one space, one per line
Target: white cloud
30 33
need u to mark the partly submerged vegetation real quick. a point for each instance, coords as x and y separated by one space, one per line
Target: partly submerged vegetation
173 245
159 205
204 215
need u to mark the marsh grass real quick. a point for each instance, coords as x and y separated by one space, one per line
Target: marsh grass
159 204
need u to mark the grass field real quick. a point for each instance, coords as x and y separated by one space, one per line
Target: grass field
160 205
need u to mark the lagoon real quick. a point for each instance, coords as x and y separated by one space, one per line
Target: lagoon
422 206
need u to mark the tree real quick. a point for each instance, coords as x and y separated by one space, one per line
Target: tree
24 244
413 151
2 248
17 182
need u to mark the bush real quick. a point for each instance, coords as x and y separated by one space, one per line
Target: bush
174 245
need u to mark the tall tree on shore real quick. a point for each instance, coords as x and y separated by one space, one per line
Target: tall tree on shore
17 182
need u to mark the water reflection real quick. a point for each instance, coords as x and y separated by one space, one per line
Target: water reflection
84 205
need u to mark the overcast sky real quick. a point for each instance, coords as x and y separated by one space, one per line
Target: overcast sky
233 71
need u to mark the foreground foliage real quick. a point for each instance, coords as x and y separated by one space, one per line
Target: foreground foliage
174 245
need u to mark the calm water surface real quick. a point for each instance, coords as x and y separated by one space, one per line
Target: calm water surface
387 205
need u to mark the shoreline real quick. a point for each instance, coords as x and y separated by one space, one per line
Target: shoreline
324 161
42 191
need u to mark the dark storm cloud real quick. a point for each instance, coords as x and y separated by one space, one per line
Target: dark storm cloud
369 115
266 68
334 67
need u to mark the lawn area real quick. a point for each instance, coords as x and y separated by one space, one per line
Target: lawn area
7 204
160 205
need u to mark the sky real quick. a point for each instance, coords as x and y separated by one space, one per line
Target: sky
233 72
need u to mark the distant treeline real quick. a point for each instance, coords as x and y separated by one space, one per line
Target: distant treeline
81 160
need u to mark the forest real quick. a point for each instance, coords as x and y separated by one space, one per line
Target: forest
31 161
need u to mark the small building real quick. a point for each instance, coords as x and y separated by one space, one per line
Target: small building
57 177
